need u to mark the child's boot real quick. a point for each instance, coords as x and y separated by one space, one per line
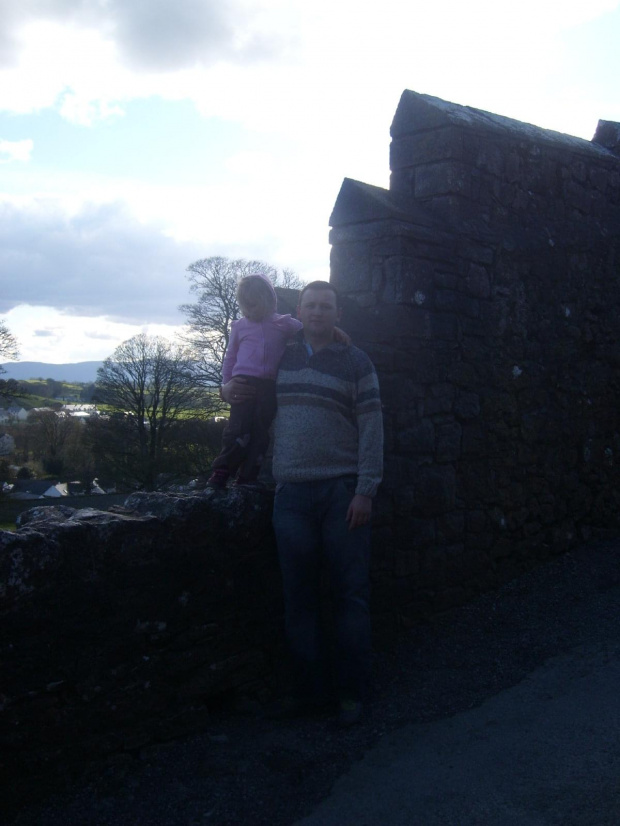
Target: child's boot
218 478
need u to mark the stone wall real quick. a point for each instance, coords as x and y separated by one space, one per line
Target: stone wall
120 629
485 286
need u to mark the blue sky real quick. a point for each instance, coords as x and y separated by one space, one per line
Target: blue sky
138 137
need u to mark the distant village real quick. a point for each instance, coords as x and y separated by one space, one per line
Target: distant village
32 488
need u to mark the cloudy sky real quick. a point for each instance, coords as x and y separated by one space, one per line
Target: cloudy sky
137 136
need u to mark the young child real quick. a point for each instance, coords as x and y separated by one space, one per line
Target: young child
255 347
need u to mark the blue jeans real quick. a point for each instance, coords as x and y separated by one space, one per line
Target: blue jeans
312 533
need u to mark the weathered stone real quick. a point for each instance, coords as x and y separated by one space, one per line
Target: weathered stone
438 402
418 439
448 442
434 491
441 178
451 301
478 282
467 405
451 526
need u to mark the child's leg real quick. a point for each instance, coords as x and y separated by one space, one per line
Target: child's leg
236 437
259 434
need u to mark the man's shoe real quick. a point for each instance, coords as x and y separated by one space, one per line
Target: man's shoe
350 713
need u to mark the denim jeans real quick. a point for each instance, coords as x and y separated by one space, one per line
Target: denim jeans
312 533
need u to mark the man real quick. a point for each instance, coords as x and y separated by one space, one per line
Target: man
327 462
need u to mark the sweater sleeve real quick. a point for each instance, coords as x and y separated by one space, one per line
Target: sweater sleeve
370 431
230 357
288 325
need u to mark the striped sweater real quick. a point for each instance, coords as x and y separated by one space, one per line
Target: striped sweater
329 419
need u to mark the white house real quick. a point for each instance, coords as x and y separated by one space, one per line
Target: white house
72 409
7 444
17 414
38 489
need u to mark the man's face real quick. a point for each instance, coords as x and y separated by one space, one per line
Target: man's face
318 312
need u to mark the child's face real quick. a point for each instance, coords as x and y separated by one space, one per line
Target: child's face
254 310
257 301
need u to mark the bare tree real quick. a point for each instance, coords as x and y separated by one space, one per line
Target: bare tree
9 350
214 283
149 386
51 433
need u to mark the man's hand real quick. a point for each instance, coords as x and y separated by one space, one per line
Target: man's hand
359 511
237 390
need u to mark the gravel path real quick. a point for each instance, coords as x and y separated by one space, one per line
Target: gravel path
246 770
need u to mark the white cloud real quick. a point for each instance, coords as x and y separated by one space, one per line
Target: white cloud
15 150
158 34
312 71
63 339
98 261
86 57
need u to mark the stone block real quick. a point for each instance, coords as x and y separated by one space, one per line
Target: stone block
476 521
467 405
381 356
437 404
399 473
477 482
478 282
434 491
464 374
408 280
455 302
599 178
351 265
418 439
444 326
406 562
425 368
491 158
447 280
423 147
389 322
448 439
470 250
450 526
443 178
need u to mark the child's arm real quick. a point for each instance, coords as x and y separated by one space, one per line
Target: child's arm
288 325
230 357
340 337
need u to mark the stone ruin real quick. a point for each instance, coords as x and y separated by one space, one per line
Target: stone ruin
485 286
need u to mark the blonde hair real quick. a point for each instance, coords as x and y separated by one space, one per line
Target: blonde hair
255 298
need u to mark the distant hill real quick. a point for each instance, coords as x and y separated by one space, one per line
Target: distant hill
81 371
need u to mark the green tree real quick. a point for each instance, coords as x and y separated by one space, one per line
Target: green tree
87 392
214 283
148 385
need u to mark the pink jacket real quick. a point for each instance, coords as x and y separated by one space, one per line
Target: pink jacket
256 347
